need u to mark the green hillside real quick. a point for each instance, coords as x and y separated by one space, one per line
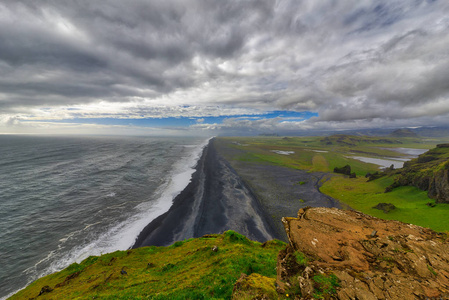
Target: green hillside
202 268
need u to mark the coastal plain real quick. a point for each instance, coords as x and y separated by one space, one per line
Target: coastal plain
289 173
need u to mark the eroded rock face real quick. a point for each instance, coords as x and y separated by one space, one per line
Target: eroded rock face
435 183
372 258
439 189
429 172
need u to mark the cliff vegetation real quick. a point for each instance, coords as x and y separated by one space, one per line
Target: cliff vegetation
202 268
429 172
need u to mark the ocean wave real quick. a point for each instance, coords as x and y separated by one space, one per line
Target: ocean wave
122 235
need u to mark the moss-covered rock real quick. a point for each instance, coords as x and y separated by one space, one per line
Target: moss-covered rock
385 207
255 286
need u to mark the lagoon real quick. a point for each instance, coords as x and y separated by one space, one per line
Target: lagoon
386 162
382 162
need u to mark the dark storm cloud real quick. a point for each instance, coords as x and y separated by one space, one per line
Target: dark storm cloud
138 43
347 60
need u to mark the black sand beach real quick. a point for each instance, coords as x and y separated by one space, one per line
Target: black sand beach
228 194
215 200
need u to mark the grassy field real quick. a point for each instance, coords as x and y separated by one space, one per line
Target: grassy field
185 270
410 202
304 157
315 154
324 154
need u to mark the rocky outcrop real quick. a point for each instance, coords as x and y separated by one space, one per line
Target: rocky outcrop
356 256
346 170
429 172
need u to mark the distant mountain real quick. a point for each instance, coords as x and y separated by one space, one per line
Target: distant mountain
432 131
268 134
420 131
403 133
353 140
436 132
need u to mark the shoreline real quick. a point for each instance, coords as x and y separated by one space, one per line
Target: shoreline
229 194
215 200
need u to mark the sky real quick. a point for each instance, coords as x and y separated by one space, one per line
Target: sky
211 67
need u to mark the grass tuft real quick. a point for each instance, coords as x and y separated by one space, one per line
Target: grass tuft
235 237
325 285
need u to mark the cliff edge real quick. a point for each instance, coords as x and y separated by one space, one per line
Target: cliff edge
355 256
429 172
332 254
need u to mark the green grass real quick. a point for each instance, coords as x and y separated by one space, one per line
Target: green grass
432 270
410 202
301 258
325 285
185 270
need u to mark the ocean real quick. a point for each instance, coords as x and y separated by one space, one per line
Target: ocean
63 199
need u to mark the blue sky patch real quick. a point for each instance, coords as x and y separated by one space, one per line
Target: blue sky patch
188 121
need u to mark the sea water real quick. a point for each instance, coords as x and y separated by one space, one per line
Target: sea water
63 199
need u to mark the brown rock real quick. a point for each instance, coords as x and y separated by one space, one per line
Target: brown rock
399 261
